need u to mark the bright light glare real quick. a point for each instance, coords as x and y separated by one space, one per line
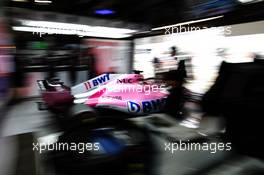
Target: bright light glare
73 29
43 1
20 0
249 1
57 25
43 31
80 27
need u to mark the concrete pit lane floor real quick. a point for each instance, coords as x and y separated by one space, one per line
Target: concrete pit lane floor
23 123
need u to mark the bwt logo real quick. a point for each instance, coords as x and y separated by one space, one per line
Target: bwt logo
100 80
97 81
146 106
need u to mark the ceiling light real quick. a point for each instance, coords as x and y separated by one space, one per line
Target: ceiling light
77 27
43 1
104 12
47 27
249 1
44 30
20 0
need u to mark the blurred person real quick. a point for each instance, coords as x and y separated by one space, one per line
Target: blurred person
176 98
175 78
186 102
51 63
88 59
180 73
91 64
18 78
11 74
157 65
112 70
74 59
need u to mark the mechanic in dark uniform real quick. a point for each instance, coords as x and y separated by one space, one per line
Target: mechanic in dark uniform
175 79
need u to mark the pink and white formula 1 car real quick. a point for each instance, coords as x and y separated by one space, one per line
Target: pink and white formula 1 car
127 93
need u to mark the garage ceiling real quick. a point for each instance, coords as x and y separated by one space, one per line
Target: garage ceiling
151 12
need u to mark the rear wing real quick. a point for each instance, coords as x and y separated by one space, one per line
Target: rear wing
45 85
